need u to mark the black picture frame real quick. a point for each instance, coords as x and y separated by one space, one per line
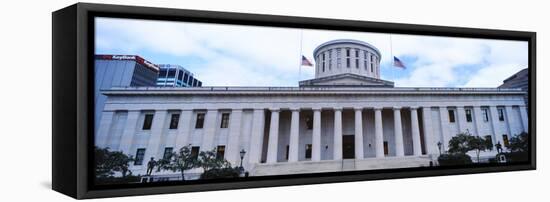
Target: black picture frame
72 108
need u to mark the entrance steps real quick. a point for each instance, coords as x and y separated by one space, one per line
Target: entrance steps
285 168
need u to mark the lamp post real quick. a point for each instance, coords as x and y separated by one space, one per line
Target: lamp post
242 153
439 147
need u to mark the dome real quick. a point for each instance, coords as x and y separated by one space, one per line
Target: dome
347 56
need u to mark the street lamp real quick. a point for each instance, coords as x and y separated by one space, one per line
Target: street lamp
242 153
439 147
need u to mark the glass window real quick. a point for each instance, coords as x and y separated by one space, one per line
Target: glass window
167 153
468 115
147 122
501 114
308 151
140 154
225 120
489 139
195 152
174 120
220 151
451 116
172 73
485 114
309 122
505 140
347 63
200 120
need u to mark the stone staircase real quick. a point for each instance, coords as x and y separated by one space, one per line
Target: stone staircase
285 168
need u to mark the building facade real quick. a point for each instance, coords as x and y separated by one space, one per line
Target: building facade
176 76
346 118
518 80
118 71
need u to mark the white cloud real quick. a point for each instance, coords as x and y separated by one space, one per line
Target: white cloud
265 56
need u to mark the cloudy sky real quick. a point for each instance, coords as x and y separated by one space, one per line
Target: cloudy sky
230 55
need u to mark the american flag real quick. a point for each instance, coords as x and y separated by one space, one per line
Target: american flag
305 61
398 63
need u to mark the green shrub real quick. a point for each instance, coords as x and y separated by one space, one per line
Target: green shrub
454 159
220 173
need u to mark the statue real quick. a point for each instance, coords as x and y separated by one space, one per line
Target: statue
150 165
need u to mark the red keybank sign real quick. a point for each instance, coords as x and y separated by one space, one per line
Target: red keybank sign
136 58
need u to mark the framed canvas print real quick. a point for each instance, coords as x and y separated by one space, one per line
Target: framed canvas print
156 100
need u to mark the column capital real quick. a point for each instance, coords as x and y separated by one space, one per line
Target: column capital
396 108
413 107
295 109
377 108
211 109
338 108
316 109
274 109
459 107
358 108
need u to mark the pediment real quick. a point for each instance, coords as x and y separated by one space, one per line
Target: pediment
347 79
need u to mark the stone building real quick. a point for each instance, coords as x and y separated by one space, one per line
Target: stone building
346 118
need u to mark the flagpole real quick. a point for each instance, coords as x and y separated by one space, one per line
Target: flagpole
300 58
392 59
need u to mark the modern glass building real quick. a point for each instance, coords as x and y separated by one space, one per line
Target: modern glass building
176 76
120 71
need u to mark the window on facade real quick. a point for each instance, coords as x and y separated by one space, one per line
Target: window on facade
468 115
220 151
147 122
195 152
347 58
140 154
225 120
309 122
323 65
174 120
505 140
287 149
338 58
451 116
329 59
485 114
489 141
308 151
501 114
372 63
200 120
167 153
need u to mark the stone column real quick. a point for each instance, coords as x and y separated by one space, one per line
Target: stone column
378 132
417 147
398 131
294 135
102 135
233 149
184 129
273 137
444 122
431 145
316 137
478 118
127 138
256 136
508 119
359 133
497 133
156 137
209 130
337 155
461 119
524 118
